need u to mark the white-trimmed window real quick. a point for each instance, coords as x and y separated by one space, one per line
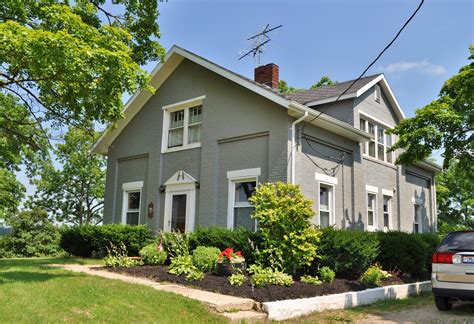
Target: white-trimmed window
182 123
242 184
326 205
381 142
377 93
371 211
417 219
132 195
387 212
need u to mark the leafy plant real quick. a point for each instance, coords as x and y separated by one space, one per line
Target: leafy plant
327 275
310 280
175 243
183 266
117 257
374 275
263 277
237 279
153 254
205 258
348 252
288 239
240 238
32 235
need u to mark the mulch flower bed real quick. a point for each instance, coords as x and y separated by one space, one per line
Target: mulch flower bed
214 283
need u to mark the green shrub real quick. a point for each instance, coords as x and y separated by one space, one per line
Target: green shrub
205 258
348 252
183 266
237 279
263 277
404 252
310 280
431 242
91 240
32 235
288 239
153 255
327 275
117 257
240 239
175 243
373 276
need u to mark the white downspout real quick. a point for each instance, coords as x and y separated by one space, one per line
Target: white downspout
293 145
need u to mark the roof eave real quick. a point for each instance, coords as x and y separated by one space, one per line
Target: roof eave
429 166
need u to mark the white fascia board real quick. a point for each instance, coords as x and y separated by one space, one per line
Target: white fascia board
328 123
429 166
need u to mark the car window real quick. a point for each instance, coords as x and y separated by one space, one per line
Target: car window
457 242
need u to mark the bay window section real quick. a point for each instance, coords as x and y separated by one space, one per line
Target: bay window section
371 131
378 147
388 146
380 143
194 125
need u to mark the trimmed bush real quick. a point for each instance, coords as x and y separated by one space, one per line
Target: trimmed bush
240 239
152 254
90 240
205 258
348 252
408 253
288 239
327 275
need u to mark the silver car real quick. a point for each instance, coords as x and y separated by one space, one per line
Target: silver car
452 275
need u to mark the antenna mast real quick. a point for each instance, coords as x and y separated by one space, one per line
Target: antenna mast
259 39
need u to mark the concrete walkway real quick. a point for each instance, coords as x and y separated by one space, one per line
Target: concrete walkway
234 308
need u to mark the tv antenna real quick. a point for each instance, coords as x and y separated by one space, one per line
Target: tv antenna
259 40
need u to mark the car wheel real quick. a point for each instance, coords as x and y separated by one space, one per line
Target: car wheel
442 303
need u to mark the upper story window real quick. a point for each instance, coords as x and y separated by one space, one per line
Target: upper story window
182 123
377 93
378 147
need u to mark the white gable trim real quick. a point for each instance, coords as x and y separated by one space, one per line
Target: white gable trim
383 84
180 177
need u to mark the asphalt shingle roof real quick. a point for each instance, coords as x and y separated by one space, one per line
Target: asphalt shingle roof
330 91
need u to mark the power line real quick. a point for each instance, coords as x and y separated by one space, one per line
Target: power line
368 67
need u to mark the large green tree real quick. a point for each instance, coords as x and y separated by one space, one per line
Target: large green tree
67 63
73 192
324 81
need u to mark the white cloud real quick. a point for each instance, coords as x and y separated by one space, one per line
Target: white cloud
421 66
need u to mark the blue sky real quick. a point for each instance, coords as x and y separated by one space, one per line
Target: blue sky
338 38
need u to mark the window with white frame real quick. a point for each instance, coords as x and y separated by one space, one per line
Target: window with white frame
387 210
417 218
378 147
371 210
182 125
242 184
377 93
326 205
132 211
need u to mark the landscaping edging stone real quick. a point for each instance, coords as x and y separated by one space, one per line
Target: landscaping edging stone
286 309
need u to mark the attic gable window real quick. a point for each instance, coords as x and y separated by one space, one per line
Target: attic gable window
182 123
377 93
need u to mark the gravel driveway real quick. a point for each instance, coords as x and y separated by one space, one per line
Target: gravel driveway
461 313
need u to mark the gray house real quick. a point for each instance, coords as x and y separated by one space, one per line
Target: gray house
192 153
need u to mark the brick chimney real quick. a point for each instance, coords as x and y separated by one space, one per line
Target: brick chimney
268 75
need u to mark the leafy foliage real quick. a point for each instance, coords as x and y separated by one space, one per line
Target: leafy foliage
284 88
205 258
263 277
327 275
11 193
237 279
33 235
153 254
288 239
175 243
310 280
74 193
324 81
90 240
348 252
183 266
448 123
373 276
117 256
239 238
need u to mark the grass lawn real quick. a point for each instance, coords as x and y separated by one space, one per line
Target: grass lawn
32 292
